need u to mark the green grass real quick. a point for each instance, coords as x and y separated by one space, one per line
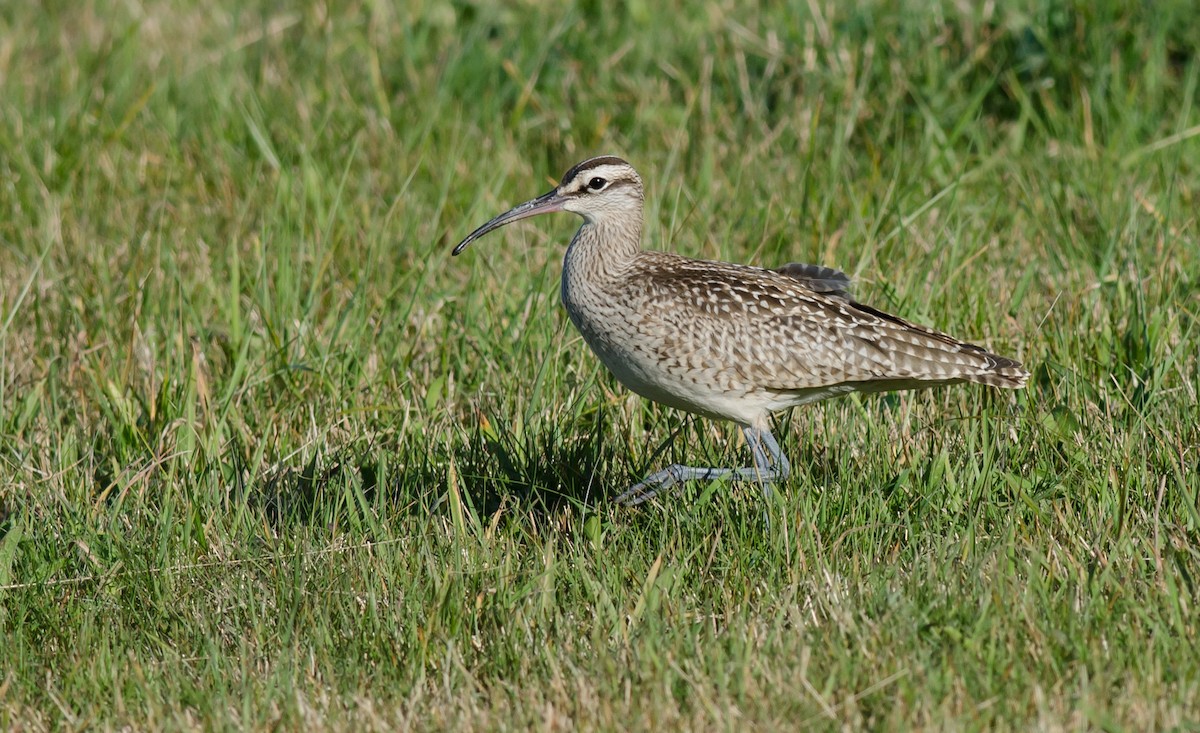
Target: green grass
269 458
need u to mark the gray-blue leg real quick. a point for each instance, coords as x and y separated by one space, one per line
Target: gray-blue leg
770 465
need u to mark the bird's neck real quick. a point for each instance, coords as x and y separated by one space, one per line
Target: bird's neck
603 249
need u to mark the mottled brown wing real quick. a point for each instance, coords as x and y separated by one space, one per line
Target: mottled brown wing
848 342
797 329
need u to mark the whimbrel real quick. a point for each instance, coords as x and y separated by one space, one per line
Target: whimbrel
728 341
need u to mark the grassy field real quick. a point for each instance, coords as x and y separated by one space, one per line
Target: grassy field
271 459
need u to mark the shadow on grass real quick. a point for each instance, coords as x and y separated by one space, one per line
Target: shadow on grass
541 473
577 465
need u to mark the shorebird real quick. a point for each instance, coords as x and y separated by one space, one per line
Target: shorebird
726 341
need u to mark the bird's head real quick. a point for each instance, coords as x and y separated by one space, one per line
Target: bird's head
597 189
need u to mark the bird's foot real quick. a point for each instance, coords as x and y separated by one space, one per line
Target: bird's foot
668 479
770 465
651 486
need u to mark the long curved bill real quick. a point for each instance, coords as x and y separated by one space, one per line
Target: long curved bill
545 203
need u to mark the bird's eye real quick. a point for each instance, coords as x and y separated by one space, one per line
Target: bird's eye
597 183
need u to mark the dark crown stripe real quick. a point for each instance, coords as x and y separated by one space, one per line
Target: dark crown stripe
591 164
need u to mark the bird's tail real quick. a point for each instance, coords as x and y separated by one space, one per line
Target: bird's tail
999 371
